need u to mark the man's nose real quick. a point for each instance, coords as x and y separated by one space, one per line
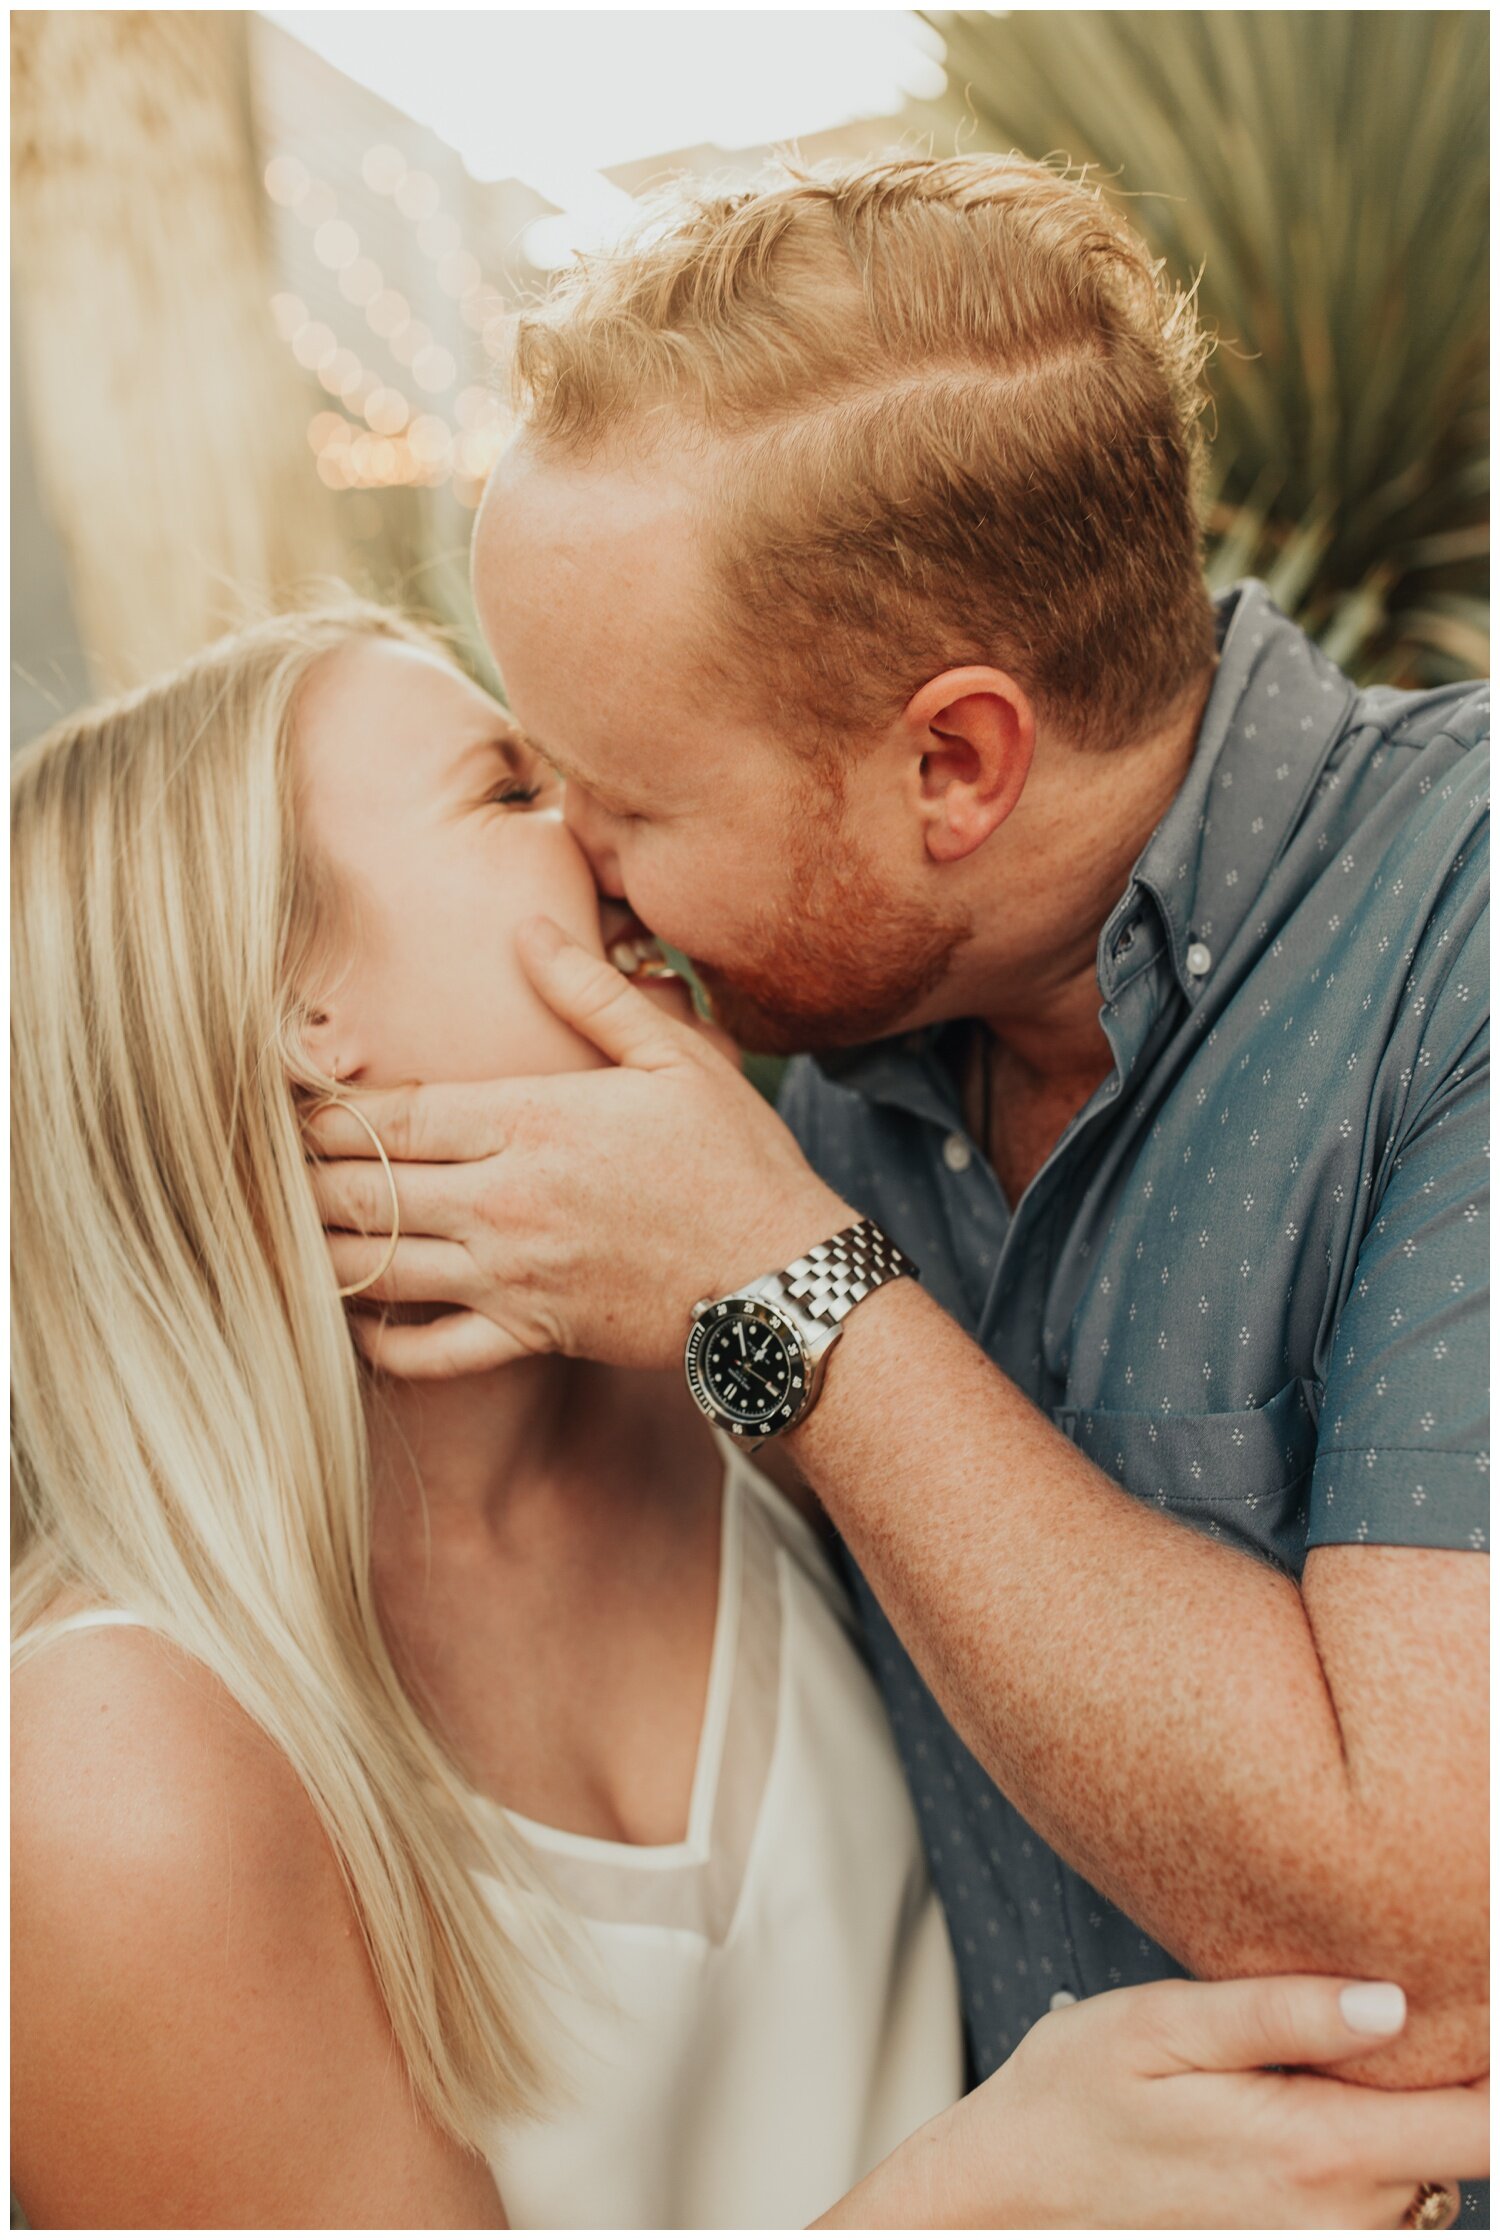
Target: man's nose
582 819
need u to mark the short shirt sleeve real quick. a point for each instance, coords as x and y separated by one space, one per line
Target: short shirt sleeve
1403 1445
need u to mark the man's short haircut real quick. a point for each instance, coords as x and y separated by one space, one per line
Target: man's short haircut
954 411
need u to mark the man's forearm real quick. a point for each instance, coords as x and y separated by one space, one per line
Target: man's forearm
1152 1701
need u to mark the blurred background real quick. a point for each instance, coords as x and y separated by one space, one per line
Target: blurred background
266 267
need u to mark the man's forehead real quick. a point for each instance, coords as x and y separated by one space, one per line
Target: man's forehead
634 516
597 618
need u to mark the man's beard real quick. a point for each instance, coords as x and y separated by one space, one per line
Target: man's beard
838 964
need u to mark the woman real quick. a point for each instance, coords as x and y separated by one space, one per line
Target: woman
441 1805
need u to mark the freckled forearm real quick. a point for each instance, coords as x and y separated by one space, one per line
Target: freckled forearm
1153 1702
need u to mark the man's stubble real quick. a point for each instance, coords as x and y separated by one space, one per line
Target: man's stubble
837 961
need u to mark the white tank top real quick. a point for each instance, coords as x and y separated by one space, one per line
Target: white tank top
771 2004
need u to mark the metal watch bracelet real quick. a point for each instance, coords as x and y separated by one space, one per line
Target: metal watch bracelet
831 1279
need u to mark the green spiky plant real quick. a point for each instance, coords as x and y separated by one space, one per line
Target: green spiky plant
1326 175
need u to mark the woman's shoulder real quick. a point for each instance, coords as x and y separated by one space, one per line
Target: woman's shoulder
124 1714
181 1940
151 1821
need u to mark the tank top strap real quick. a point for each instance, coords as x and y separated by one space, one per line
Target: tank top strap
37 1638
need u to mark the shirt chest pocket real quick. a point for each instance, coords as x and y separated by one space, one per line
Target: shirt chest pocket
1241 1476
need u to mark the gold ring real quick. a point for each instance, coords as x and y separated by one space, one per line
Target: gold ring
352 1290
1431 2207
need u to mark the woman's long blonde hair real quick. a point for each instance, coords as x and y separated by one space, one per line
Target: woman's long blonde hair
190 1437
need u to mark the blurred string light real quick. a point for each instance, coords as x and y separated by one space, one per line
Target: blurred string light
399 444
505 91
558 98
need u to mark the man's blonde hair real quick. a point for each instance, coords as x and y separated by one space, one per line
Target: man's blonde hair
958 409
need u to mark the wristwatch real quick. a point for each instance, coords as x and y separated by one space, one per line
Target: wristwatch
756 1359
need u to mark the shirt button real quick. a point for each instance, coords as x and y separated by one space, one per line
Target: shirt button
1060 1999
956 1154
1199 959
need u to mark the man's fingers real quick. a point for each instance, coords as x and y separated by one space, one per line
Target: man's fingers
354 1194
446 1120
590 995
427 1269
455 1345
1267 2022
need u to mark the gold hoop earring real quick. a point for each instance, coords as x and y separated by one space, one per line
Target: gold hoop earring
352 1290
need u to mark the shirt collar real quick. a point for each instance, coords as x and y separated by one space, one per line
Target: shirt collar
902 1070
1275 709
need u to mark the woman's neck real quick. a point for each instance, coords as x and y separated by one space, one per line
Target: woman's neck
470 1450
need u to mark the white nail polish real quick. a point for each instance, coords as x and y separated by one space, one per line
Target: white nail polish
1376 2009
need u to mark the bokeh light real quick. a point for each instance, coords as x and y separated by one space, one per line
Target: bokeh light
360 282
313 345
478 451
417 195
477 407
340 377
431 440
387 412
433 368
327 431
409 341
387 313
286 180
806 68
383 168
336 244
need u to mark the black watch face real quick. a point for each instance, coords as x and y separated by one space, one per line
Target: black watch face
743 1362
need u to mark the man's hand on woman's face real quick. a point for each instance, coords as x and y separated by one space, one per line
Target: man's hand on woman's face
581 1214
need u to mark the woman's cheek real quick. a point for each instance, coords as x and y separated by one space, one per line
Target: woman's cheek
548 875
536 1041
458 1005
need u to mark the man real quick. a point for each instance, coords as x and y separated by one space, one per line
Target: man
847 568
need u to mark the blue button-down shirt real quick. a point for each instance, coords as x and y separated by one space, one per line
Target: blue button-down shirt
1251 1280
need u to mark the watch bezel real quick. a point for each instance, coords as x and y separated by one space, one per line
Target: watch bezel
751 1309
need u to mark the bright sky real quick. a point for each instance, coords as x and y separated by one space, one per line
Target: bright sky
555 97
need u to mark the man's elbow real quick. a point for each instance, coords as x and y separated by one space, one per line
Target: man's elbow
1446 2037
1424 1930
1441 2044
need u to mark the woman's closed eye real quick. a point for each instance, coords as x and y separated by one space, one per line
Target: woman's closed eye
520 776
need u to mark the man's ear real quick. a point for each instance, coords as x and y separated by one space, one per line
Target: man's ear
974 732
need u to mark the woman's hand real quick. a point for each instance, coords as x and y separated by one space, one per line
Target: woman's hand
1155 2107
